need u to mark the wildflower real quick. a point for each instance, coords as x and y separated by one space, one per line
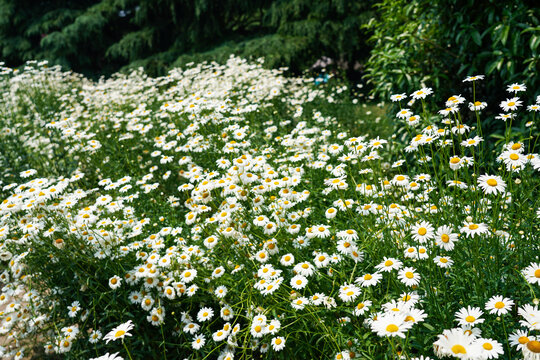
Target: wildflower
278 343
519 339
391 325
198 342
362 307
398 97
472 141
477 106
474 78
115 282
409 276
532 273
119 332
404 114
511 104
499 305
534 107
471 229
74 308
367 280
389 264
422 232
205 314
491 184
457 344
299 282
443 261
95 336
469 316
516 88
422 93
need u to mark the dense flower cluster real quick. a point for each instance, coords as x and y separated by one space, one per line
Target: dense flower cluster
212 206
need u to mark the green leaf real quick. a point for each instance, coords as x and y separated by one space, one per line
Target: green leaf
476 37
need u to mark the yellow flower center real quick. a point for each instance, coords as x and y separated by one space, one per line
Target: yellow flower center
454 160
511 103
388 263
473 227
409 275
534 346
514 156
492 182
422 231
278 341
537 273
119 333
400 178
499 305
516 146
458 349
368 277
487 346
258 328
392 328
523 340
477 103
445 238
470 319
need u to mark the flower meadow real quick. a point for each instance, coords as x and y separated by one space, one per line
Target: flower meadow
224 212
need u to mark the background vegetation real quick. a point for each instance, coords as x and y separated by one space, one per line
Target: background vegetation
393 43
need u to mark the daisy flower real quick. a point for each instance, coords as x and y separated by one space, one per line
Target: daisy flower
389 264
115 282
516 88
531 351
299 282
422 232
422 93
457 344
391 325
361 307
471 229
534 107
119 332
519 339
443 261
532 273
445 237
198 342
278 343
491 184
499 305
474 78
477 106
511 104
205 314
398 97
409 276
404 114
369 279
469 316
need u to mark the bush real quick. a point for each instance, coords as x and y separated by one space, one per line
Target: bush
436 43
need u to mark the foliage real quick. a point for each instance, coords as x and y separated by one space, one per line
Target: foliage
424 42
100 37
